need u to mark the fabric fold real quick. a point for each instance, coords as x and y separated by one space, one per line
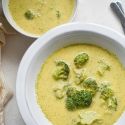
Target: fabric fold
5 92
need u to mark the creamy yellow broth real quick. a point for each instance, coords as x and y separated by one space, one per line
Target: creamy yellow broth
48 13
55 109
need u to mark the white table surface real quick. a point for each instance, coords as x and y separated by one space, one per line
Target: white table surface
89 11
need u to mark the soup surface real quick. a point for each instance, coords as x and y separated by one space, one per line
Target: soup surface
107 92
38 16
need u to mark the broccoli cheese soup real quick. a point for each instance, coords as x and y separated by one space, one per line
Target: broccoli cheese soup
81 85
38 16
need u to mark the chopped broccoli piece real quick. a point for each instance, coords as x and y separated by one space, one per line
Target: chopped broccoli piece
60 90
112 103
108 96
62 71
58 14
82 98
29 14
106 92
103 67
80 77
81 59
91 85
59 93
89 117
79 99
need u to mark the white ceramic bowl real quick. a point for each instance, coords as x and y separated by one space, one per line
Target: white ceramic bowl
18 28
51 41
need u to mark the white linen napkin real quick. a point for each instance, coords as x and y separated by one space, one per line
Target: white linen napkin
5 92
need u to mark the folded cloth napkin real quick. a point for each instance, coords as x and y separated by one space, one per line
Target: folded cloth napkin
5 95
5 92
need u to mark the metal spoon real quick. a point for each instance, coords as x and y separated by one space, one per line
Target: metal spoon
120 5
119 11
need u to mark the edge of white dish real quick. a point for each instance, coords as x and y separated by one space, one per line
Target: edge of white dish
31 113
10 19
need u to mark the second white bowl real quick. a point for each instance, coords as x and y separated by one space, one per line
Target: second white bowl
18 28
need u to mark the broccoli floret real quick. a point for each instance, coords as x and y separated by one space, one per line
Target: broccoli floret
80 77
88 118
59 93
79 99
60 90
81 59
91 85
83 98
103 67
107 95
112 103
29 14
106 92
62 71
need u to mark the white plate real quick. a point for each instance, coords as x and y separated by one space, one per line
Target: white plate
17 27
51 41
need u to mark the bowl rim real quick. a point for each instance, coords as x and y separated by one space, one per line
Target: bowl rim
24 65
11 21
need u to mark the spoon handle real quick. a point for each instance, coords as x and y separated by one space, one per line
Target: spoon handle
120 5
118 10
